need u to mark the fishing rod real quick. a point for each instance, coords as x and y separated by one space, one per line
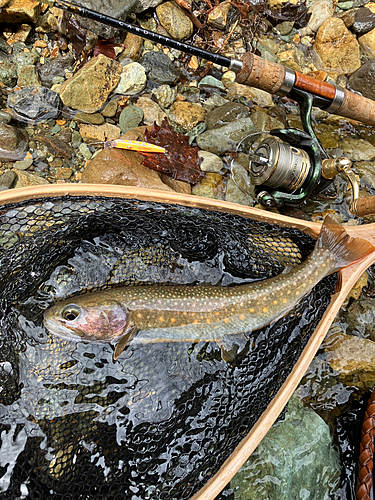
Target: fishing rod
252 70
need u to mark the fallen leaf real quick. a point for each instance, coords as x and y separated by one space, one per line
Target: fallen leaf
77 36
290 12
106 47
180 161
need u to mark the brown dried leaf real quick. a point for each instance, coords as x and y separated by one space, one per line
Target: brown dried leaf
77 36
106 47
180 161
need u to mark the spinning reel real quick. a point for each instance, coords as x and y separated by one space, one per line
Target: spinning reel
287 172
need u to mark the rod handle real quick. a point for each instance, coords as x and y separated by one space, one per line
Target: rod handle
363 206
260 73
357 107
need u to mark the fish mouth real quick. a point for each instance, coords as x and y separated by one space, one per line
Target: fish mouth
57 328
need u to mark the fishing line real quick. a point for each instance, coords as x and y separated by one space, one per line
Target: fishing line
231 165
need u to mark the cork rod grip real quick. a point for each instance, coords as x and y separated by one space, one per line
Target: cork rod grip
357 107
260 73
364 206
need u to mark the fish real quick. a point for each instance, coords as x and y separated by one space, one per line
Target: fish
149 314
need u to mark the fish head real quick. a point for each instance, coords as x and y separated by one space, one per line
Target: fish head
89 321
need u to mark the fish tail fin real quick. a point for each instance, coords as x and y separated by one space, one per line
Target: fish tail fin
343 247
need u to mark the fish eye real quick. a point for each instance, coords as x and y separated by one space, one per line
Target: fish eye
70 312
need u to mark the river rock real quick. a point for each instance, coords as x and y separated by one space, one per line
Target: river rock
214 102
295 460
174 20
13 142
34 104
320 11
186 115
363 79
25 59
226 138
5 117
93 118
130 117
364 21
90 87
132 81
28 76
336 49
8 73
122 167
159 68
367 43
357 149
55 68
258 96
360 317
353 359
225 114
165 95
8 179
211 186
217 18
133 47
101 133
17 11
239 188
211 162
152 112
211 82
25 179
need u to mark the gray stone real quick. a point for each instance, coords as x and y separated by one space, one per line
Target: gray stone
213 82
159 68
226 114
363 79
25 58
8 179
295 460
239 188
55 68
34 104
364 21
226 138
23 164
130 118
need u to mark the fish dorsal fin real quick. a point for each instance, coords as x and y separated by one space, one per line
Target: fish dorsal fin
123 342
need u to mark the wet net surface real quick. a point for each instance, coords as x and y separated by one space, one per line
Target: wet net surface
161 420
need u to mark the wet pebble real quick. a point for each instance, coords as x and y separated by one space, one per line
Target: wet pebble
13 142
239 188
132 81
211 162
90 87
357 149
226 114
360 318
25 179
218 16
28 76
159 68
364 21
211 186
164 95
226 138
367 43
23 164
186 115
93 118
130 117
5 117
363 79
151 110
336 49
55 68
8 179
174 20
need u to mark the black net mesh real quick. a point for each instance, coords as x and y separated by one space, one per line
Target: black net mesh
160 421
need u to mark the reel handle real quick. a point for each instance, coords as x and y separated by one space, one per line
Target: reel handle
276 79
363 206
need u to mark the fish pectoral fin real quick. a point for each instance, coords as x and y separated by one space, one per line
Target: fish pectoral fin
287 269
232 347
123 342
